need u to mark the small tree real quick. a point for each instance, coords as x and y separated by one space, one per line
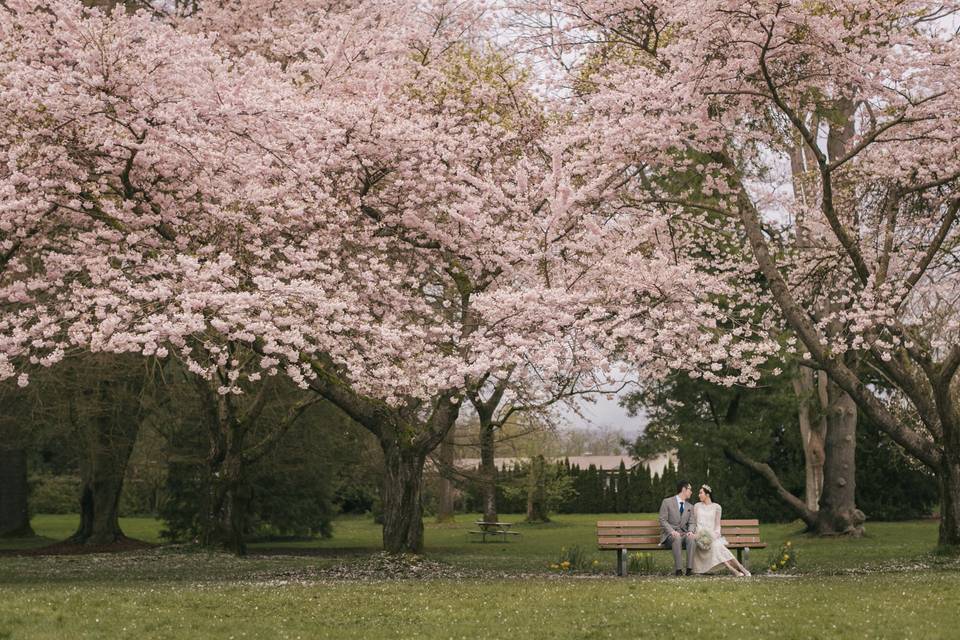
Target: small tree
537 491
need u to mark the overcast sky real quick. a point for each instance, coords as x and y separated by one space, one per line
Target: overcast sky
604 413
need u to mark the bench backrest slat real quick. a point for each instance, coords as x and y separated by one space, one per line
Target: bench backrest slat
646 533
654 523
614 527
637 539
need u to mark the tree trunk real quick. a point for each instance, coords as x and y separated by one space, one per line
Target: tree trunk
488 472
813 428
838 513
406 439
402 497
949 477
111 435
14 514
224 513
99 512
101 483
226 524
445 506
537 492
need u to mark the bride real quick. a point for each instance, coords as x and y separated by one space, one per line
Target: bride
711 548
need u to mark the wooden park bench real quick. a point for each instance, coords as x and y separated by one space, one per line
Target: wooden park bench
644 535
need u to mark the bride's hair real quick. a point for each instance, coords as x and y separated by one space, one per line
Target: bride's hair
707 490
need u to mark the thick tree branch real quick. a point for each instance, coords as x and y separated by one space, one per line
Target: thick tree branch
446 409
260 449
918 445
916 390
826 177
767 473
362 410
935 245
254 408
950 364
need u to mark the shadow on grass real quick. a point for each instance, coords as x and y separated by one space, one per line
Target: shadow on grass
13 546
39 546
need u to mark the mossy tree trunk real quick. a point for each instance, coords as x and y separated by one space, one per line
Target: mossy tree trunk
14 491
107 414
407 435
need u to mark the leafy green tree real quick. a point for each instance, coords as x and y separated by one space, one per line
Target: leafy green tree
622 484
266 462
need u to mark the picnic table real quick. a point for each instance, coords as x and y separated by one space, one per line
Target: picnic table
494 530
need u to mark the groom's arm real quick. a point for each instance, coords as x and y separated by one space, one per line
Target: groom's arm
664 519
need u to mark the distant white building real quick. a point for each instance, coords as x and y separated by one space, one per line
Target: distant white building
656 465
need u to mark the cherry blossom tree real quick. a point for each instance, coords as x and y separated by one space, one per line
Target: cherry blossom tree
135 158
461 205
365 195
129 151
868 91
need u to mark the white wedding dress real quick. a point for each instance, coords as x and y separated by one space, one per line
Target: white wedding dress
707 516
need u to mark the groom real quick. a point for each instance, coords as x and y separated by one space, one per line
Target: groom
677 526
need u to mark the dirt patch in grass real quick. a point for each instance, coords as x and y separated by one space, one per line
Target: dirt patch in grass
68 548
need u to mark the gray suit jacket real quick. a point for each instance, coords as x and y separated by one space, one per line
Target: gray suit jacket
671 520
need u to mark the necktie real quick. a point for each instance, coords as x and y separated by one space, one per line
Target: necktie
681 508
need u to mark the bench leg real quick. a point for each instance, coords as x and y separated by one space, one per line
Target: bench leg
621 562
740 555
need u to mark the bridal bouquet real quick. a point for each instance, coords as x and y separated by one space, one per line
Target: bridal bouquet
704 539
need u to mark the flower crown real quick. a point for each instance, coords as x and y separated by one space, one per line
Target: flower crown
706 488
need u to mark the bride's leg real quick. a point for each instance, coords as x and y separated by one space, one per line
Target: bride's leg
729 564
741 570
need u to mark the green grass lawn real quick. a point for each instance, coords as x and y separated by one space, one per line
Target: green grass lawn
889 584
885 542
53 528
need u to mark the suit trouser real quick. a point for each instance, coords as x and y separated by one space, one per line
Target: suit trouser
677 543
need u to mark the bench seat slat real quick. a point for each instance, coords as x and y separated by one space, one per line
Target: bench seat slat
624 540
754 544
633 531
645 533
747 545
632 547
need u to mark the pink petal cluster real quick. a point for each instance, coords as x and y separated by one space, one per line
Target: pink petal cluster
370 184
